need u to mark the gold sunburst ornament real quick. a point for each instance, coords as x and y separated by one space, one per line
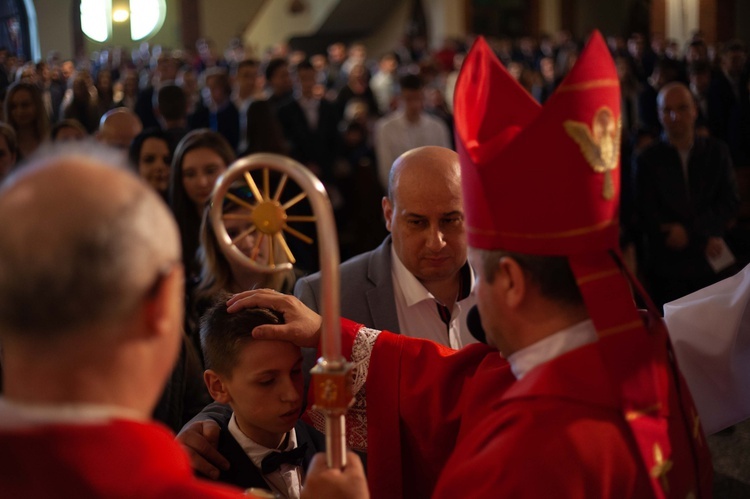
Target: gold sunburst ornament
266 216
600 144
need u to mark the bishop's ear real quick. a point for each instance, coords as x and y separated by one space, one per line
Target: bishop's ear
512 281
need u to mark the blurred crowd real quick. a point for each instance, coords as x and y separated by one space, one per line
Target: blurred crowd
338 112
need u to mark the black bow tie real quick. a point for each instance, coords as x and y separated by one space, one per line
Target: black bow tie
274 460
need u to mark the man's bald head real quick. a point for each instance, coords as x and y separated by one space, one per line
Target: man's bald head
84 241
118 127
424 214
431 161
677 113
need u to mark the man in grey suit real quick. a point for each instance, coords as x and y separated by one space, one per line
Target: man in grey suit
418 281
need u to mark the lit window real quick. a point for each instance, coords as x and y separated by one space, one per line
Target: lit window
146 17
96 21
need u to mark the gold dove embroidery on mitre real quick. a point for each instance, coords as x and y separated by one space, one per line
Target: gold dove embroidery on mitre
600 145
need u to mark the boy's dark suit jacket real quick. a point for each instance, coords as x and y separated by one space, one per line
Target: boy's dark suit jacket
243 473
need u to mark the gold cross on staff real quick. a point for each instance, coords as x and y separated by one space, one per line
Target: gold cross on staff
697 427
661 468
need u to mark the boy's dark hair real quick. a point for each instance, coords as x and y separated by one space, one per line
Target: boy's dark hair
223 334
411 82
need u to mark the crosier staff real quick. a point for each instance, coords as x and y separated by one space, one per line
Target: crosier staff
268 218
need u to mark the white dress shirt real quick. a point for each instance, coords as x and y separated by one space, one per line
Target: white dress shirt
418 316
394 135
242 107
287 480
551 347
310 107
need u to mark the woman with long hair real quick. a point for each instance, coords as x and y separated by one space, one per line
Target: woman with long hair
220 275
26 114
200 157
151 155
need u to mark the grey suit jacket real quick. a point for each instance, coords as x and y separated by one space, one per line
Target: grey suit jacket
366 289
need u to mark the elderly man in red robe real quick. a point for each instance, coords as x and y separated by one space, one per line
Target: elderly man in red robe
91 305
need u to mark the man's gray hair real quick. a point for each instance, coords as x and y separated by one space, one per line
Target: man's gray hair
79 257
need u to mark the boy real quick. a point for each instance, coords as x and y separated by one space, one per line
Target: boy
264 441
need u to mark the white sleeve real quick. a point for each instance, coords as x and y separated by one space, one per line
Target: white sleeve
356 416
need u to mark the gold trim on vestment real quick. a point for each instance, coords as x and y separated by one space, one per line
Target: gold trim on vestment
588 85
567 233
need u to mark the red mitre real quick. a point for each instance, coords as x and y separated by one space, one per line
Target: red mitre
540 180
546 181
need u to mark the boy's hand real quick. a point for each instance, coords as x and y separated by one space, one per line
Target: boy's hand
200 440
301 325
349 483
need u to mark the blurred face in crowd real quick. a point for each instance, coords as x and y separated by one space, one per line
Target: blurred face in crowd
153 163
69 133
166 67
696 53
547 68
81 89
413 103
200 169
281 80
306 79
67 69
388 64
119 127
425 214
130 83
104 79
734 61
22 108
337 53
217 88
247 75
677 111
700 82
188 81
319 62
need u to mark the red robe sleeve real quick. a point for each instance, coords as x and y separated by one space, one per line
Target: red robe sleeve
419 400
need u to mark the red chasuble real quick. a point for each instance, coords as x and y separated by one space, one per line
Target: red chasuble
121 459
445 424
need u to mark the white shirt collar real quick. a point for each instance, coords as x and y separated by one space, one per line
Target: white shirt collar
254 450
18 415
576 336
414 291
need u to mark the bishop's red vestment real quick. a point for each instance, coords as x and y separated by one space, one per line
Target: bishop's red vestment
119 459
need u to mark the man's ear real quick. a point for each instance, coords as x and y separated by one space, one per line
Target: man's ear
387 212
512 279
164 303
216 386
